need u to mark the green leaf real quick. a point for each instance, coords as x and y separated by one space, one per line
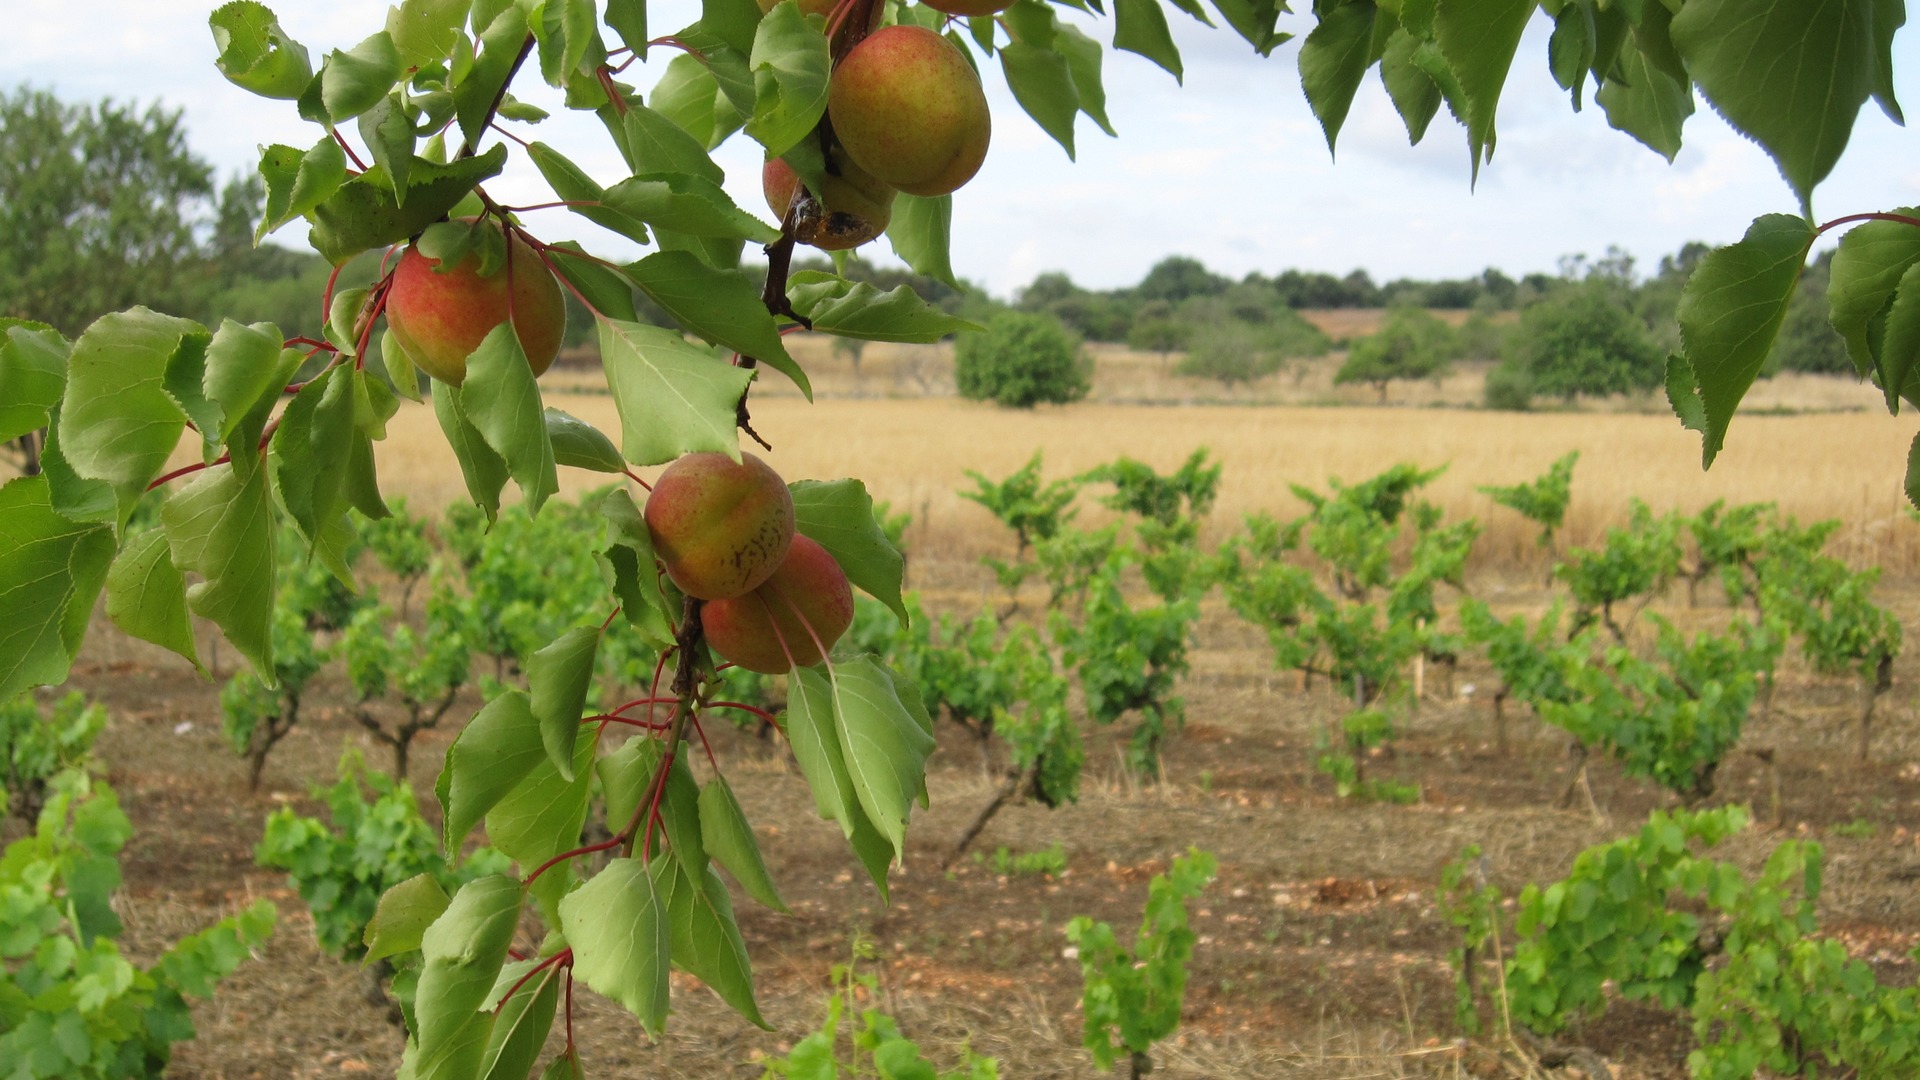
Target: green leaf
838 515
401 919
147 596
586 196
790 64
492 755
608 291
1899 350
722 306
118 423
564 1067
221 527
674 398
1683 393
1888 17
569 36
690 96
1645 102
1866 270
617 926
399 366
1789 74
706 940
1140 26
355 81
729 839
502 401
74 498
388 133
921 233
629 557
1043 85
312 441
50 571
1731 310
427 31
298 181
1333 60
628 18
33 372
812 733
655 144
853 309
1415 95
244 365
541 817
683 202
1478 39
520 1029
364 213
558 678
579 445
1912 486
884 746
1082 54
484 470
1570 51
500 47
626 778
680 814
463 951
255 54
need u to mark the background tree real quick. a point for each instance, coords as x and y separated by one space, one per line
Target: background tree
1411 344
1583 342
1023 359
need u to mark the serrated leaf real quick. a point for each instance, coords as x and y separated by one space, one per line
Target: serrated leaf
558 679
1789 74
297 181
1899 352
501 43
564 1067
690 96
617 926
255 54
1251 19
722 306
579 445
628 18
354 81
388 133
853 309
51 569
673 398
1416 97
1645 102
492 755
568 34
1140 26
502 401
921 234
427 31
364 213
838 515
811 733
33 372
587 198
790 65
221 527
483 469
1333 60
244 365
1043 85
117 421
884 746
147 596
1683 393
520 1029
1570 50
1866 269
1478 39
74 497
1731 310
706 940
680 815
1912 485
540 818
401 918
683 202
729 839
463 951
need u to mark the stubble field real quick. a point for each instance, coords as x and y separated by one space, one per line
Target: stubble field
1321 955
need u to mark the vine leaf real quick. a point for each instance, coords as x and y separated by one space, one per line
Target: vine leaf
838 515
1789 74
706 939
51 569
729 839
674 398
401 918
493 753
558 678
1730 312
617 926
147 596
118 423
463 951
221 526
503 402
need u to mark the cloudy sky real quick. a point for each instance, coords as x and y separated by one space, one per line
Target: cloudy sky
1231 168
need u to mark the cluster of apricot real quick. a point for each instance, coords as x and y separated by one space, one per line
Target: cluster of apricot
905 112
724 532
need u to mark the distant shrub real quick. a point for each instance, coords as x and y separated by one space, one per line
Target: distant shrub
1022 360
1508 388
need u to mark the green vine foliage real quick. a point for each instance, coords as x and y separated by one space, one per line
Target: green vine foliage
1132 996
1129 658
1034 509
1542 500
1637 561
39 742
71 1004
874 1047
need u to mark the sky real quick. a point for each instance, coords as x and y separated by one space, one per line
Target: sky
1230 168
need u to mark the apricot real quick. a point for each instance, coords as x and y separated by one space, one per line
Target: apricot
910 111
787 622
851 208
720 527
440 314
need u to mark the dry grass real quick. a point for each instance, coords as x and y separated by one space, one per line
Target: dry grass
915 453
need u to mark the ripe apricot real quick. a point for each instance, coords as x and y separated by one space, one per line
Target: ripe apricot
719 527
909 110
440 315
787 622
